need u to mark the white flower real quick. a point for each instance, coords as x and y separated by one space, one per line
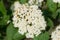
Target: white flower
40 0
16 5
35 2
29 35
29 20
56 1
56 34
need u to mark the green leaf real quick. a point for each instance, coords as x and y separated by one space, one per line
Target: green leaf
59 5
43 36
0 34
50 22
4 20
10 31
54 15
52 7
0 39
23 1
4 38
59 16
2 8
58 11
11 1
18 36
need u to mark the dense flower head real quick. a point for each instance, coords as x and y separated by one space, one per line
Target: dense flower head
56 1
56 34
28 19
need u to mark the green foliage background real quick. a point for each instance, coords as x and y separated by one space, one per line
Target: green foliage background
50 10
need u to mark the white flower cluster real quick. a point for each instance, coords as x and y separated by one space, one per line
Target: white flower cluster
35 2
56 34
28 19
56 1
